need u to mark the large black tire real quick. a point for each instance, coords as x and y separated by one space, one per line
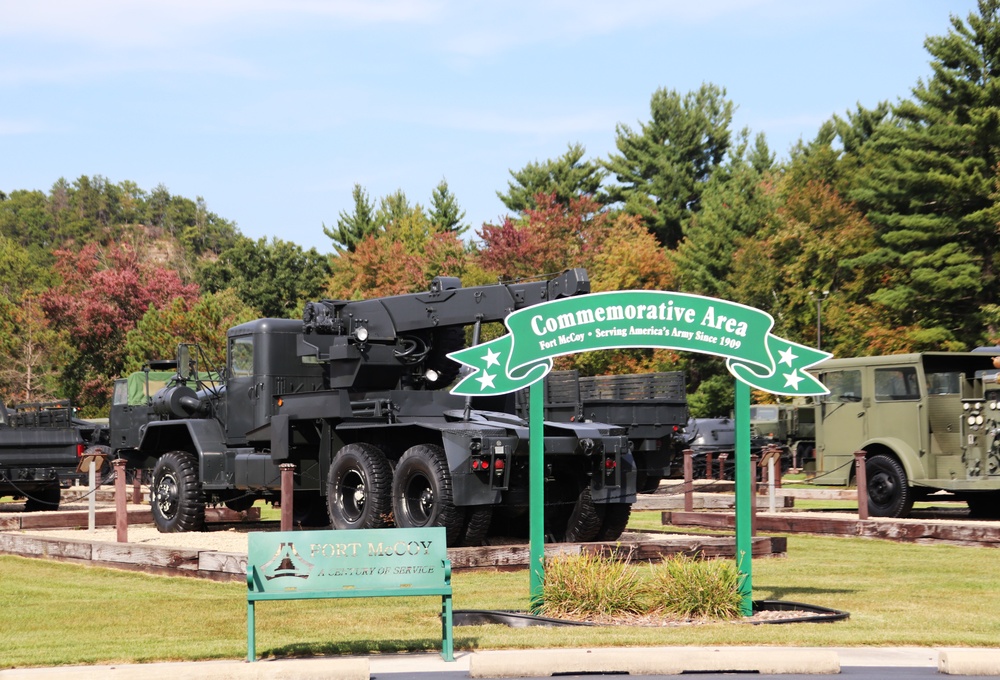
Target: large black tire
241 502
647 483
889 493
176 496
477 525
421 492
584 520
359 488
615 519
985 505
43 500
309 510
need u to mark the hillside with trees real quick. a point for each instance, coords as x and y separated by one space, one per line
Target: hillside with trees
891 212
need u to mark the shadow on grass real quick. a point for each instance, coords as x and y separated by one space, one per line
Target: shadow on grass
363 647
792 593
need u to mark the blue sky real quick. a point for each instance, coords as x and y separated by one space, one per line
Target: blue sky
273 109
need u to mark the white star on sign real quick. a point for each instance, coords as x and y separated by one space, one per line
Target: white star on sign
792 379
787 357
491 358
486 380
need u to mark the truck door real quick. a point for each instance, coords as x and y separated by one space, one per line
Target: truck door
841 426
242 389
901 413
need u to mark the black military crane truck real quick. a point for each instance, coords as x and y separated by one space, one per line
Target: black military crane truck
41 445
355 396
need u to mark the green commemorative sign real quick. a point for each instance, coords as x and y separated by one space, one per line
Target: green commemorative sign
640 318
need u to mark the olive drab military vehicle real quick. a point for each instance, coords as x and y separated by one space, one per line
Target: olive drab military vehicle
927 422
791 426
356 396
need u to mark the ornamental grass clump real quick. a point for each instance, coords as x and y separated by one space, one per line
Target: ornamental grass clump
690 588
590 587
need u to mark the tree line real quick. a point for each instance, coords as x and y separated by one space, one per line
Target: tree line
882 229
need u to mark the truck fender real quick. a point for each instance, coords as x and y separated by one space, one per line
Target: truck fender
203 438
908 458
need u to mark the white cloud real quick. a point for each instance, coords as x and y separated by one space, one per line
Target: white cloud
151 23
18 127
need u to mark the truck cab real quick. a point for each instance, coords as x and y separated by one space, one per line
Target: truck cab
924 420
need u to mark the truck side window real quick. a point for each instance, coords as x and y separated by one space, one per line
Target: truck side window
896 384
844 386
241 357
944 383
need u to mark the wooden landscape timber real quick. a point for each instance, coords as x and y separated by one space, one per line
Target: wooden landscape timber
230 566
955 532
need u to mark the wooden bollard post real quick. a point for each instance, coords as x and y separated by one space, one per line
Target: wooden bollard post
688 481
753 496
708 465
121 501
861 476
287 493
137 486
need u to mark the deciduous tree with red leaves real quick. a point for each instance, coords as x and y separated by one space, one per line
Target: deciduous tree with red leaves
102 295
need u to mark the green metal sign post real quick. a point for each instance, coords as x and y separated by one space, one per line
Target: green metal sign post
639 318
744 477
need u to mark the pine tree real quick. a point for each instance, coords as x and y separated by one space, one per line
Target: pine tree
445 214
663 167
353 227
735 204
567 177
929 189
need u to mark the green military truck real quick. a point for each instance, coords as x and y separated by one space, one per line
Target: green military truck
928 422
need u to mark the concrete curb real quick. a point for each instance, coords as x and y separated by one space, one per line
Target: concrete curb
969 661
652 661
350 668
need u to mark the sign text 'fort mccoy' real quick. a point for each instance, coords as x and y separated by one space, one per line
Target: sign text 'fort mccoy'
624 319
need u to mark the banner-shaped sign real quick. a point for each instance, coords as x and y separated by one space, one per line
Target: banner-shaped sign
639 318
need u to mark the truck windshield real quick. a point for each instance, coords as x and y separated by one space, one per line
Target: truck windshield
843 385
241 357
763 412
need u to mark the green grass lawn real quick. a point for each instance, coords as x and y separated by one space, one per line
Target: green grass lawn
897 594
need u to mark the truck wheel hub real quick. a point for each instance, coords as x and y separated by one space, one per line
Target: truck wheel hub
166 495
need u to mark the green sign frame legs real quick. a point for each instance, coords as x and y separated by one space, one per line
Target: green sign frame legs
744 476
536 493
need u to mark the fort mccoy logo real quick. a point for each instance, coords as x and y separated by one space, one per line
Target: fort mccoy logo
637 319
286 561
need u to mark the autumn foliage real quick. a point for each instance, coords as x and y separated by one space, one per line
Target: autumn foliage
102 294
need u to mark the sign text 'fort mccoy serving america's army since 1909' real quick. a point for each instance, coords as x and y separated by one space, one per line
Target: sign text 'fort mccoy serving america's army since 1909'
624 319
